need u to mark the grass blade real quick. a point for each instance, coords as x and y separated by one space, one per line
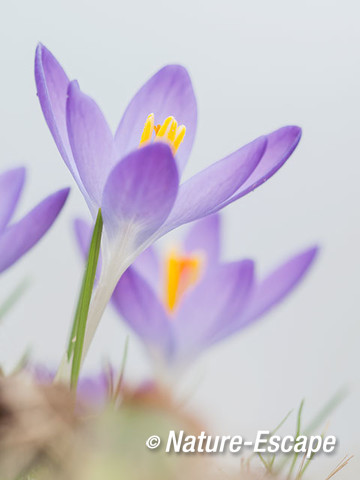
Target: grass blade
324 413
119 384
79 326
13 298
298 431
281 423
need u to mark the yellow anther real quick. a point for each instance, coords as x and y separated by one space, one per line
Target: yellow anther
179 138
182 272
148 130
163 129
172 131
169 132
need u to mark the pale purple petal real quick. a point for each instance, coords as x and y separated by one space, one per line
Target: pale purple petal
279 283
52 86
222 293
204 237
94 389
140 308
148 265
168 92
11 185
280 145
91 142
83 232
141 190
40 373
206 191
17 239
271 291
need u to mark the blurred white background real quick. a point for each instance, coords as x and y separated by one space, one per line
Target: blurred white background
256 65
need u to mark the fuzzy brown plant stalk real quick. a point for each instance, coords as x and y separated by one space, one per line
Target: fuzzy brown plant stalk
38 428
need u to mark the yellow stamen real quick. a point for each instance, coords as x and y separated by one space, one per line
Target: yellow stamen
148 130
172 132
169 132
180 137
181 273
164 127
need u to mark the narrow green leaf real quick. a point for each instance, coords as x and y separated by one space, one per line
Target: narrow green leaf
263 461
304 468
281 423
324 413
270 464
298 425
23 361
273 458
319 419
298 430
119 384
13 298
79 326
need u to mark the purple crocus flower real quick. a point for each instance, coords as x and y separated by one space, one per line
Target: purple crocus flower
17 238
134 175
94 390
194 300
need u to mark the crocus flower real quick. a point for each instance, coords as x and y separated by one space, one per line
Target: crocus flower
134 175
18 237
94 390
182 306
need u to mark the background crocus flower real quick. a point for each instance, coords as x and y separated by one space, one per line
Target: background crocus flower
17 238
133 176
192 300
95 389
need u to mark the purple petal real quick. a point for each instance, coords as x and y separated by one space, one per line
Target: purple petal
17 239
280 146
271 291
204 236
280 283
148 265
223 293
91 142
206 191
83 233
94 390
168 92
52 86
11 185
40 373
140 190
139 306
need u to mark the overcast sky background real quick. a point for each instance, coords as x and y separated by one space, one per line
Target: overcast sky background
256 65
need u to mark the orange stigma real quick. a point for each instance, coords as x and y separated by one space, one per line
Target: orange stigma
182 272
